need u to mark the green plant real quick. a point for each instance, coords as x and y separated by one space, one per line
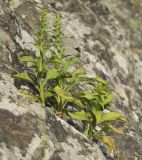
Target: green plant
37 74
62 90
95 114
60 82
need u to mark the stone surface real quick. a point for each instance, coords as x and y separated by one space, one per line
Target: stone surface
98 32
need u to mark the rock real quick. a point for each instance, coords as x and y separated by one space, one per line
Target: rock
135 116
95 31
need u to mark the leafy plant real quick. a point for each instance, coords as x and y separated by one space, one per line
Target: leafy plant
95 115
64 85
37 74
60 81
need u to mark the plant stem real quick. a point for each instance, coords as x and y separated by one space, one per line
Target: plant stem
42 96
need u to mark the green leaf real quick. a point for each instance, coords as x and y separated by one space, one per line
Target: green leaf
62 93
108 140
38 62
122 118
98 79
88 95
112 116
107 100
79 71
98 115
66 75
70 62
24 76
40 69
27 59
78 103
48 94
80 116
54 59
42 93
51 74
81 79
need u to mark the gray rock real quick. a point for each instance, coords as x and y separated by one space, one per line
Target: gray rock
97 32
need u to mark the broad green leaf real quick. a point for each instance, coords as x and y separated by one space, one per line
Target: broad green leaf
62 93
77 102
88 95
80 116
24 76
51 74
98 79
98 115
27 59
48 94
112 116
107 100
122 118
108 140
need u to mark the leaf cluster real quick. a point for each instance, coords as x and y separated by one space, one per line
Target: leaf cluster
59 83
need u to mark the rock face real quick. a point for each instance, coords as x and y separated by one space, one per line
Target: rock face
27 132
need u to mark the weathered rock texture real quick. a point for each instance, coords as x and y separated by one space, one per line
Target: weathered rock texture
93 30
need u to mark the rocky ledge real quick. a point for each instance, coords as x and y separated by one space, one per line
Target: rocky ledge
29 132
